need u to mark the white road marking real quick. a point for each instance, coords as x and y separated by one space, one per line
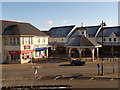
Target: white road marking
91 78
71 78
56 78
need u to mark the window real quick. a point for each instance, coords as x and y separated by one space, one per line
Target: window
104 39
14 41
17 41
110 39
11 40
114 39
38 40
42 40
82 32
22 40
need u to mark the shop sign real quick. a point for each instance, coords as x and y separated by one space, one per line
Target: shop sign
26 51
27 47
14 52
40 48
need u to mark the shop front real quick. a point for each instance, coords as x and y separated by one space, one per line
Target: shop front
23 56
27 54
41 52
13 56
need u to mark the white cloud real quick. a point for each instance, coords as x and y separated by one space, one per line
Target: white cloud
49 22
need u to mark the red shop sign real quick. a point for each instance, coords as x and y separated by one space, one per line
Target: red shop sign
26 51
14 52
27 47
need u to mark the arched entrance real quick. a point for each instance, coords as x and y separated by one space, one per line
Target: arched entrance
86 53
78 53
74 53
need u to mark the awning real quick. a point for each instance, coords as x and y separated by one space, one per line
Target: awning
40 48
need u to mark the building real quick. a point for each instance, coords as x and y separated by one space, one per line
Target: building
58 34
22 42
109 36
111 40
57 39
79 45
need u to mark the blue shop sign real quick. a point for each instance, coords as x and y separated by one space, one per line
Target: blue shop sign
40 48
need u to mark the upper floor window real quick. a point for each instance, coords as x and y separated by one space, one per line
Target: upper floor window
104 39
38 40
14 41
110 39
114 39
42 40
27 40
82 32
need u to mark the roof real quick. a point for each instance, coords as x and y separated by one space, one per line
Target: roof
83 41
60 31
91 30
19 28
46 32
109 30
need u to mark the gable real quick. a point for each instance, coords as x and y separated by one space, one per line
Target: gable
112 34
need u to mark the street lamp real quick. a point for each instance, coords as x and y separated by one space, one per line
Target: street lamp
102 66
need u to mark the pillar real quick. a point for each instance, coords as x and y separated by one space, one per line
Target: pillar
69 53
92 51
97 53
80 53
47 52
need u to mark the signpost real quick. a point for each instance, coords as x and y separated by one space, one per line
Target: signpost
35 73
98 66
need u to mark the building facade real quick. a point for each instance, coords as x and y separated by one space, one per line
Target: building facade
22 42
111 40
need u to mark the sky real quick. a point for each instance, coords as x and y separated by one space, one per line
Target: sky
45 15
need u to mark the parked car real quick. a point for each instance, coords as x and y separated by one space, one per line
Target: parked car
77 62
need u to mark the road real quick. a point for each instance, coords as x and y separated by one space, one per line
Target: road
22 74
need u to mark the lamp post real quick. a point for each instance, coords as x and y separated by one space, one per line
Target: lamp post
102 65
113 59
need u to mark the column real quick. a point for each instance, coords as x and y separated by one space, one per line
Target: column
92 51
69 53
83 52
47 52
80 53
97 53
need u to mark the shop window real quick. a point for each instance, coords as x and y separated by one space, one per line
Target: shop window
7 57
15 57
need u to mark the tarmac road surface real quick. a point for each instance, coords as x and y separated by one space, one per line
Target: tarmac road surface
50 73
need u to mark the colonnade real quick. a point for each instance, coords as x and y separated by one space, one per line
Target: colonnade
82 49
